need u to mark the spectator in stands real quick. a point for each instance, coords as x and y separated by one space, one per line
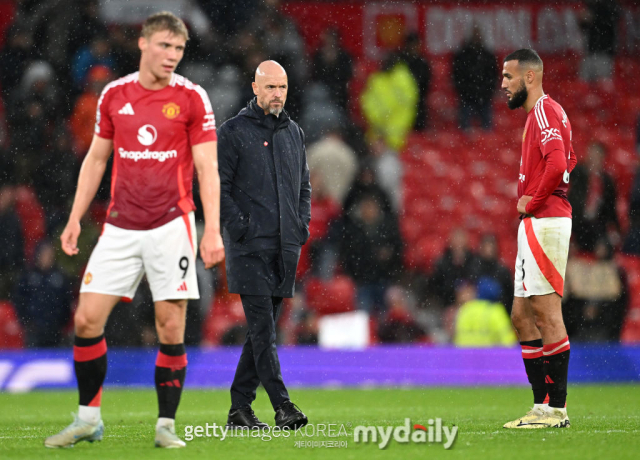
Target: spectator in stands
277 36
86 26
306 330
388 170
332 66
632 242
390 102
229 17
595 296
83 117
14 58
11 242
280 38
593 198
366 185
124 49
484 322
326 212
457 263
55 176
600 24
475 78
320 113
33 108
98 52
399 324
487 264
334 162
465 291
371 252
421 70
43 299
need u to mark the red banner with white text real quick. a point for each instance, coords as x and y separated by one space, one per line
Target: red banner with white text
370 29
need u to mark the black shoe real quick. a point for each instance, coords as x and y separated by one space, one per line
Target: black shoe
244 418
290 417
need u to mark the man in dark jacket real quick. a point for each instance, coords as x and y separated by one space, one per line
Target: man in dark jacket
265 209
43 299
593 198
474 78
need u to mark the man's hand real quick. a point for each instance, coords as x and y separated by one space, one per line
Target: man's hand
522 204
211 249
69 238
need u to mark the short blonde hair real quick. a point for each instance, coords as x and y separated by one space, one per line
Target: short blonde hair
164 20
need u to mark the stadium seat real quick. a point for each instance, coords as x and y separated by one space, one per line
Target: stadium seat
11 333
337 295
225 313
31 217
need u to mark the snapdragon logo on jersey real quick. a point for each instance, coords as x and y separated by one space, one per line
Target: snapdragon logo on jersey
147 135
403 434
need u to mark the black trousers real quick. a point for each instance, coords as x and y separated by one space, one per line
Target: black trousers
259 359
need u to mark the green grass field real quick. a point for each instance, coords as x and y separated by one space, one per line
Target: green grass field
605 424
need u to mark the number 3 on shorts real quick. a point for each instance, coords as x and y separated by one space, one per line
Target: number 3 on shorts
184 265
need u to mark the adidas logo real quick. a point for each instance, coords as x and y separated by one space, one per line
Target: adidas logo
175 383
126 110
183 286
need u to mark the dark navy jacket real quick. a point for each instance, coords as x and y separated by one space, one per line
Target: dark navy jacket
265 200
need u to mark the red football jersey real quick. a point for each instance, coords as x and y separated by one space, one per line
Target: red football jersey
547 129
152 132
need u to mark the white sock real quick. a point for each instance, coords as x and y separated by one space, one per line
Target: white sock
543 407
168 422
563 410
89 414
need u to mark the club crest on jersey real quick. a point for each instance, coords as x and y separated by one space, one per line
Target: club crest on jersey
549 134
88 278
171 110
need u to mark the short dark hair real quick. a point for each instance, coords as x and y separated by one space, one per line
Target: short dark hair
525 56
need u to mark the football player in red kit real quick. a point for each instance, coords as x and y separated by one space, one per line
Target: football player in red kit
159 126
543 239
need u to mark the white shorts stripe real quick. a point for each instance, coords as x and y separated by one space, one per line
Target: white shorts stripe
553 235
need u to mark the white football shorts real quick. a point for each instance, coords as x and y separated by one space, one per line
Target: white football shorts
166 254
543 249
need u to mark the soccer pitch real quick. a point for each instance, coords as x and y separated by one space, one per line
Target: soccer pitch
605 424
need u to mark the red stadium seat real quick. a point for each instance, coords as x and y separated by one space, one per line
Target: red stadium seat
31 217
11 333
225 313
337 295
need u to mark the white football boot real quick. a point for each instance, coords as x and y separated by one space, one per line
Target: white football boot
78 431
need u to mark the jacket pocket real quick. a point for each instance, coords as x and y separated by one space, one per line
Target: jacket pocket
238 232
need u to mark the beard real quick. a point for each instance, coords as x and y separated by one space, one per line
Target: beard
519 97
276 111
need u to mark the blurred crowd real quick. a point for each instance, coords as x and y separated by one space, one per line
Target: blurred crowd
58 55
